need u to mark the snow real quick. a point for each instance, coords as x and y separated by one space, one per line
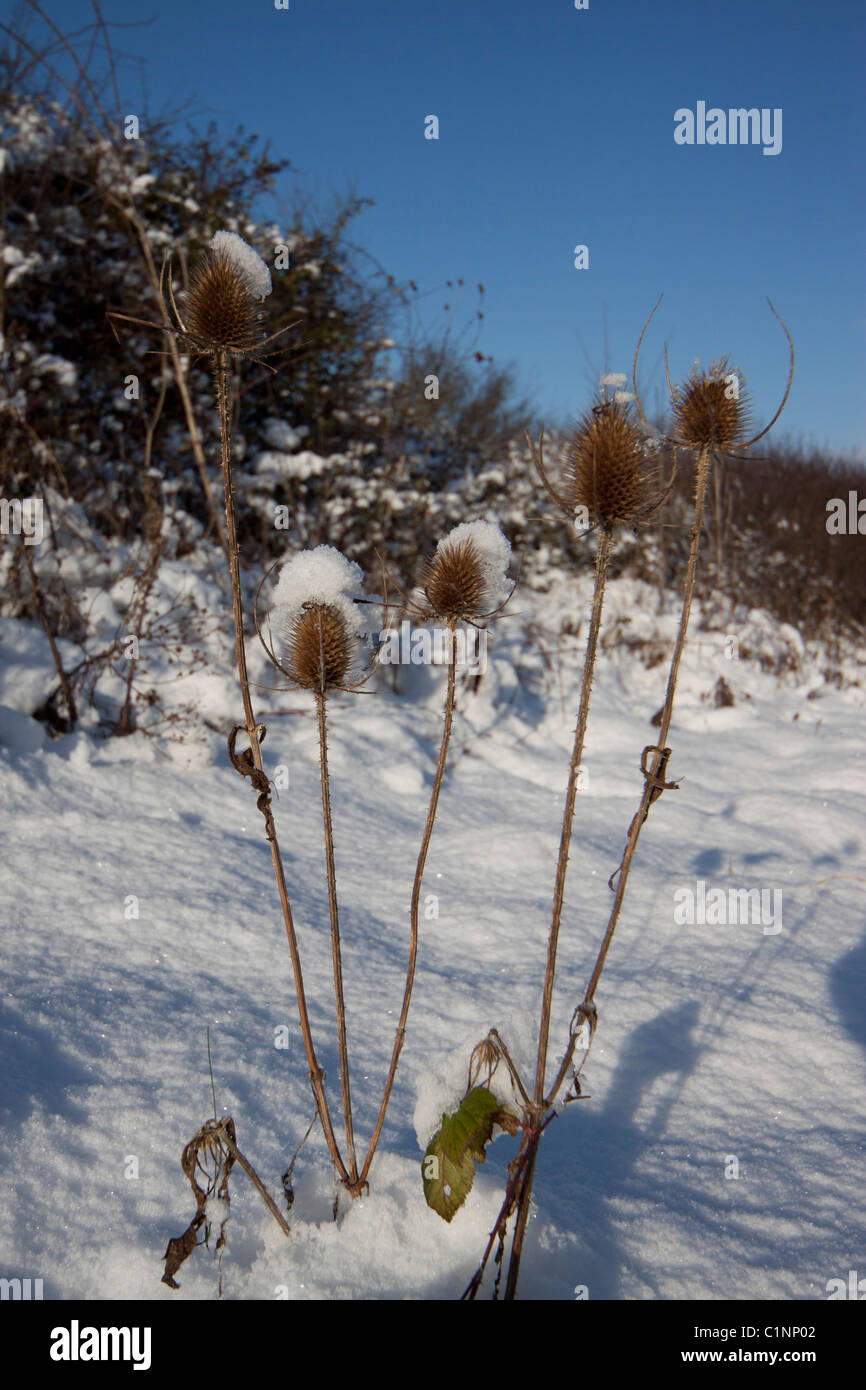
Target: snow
247 261
139 909
321 575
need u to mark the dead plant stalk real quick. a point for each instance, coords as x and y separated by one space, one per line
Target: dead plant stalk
653 783
416 899
221 369
335 937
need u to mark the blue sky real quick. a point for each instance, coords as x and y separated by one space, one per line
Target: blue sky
556 128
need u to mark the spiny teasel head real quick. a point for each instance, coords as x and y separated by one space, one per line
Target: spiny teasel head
454 582
222 308
319 649
465 580
317 623
605 466
710 409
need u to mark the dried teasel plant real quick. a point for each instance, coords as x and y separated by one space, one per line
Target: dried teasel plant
314 639
607 482
711 409
606 478
221 318
222 308
711 416
318 648
463 582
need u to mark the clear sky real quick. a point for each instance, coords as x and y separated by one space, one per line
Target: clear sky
556 128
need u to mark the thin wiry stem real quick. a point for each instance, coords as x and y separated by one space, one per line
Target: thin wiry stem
335 940
650 792
316 1073
416 899
601 563
650 789
529 1146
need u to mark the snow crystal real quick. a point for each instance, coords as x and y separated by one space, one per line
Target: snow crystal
613 379
247 261
494 552
323 575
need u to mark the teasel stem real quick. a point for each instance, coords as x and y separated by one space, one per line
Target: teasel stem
335 942
221 371
416 898
531 1139
701 476
601 563
633 837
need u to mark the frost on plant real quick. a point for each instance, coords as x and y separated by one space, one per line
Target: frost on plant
322 575
247 261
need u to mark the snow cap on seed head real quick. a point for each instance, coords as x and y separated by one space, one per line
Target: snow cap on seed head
226 290
466 577
322 575
319 622
245 259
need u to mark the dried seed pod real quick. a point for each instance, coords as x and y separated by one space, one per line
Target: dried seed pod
454 581
222 309
605 466
320 650
711 410
466 579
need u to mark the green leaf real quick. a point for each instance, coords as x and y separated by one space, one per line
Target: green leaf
448 1170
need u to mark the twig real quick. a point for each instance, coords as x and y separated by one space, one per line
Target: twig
335 937
255 755
416 898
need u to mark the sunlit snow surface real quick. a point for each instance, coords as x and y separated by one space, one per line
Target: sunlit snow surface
715 1041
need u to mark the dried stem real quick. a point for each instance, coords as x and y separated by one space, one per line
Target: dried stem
316 1073
256 1181
653 783
335 941
416 899
529 1146
601 563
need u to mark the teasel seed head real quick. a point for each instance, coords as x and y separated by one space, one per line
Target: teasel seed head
710 409
221 309
605 466
454 582
466 578
319 649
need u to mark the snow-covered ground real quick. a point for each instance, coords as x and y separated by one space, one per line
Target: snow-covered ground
721 1047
